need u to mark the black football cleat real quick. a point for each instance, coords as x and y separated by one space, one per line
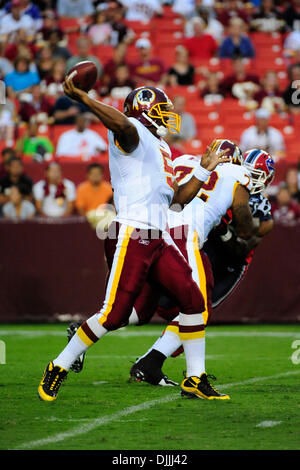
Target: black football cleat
199 387
140 373
77 365
51 381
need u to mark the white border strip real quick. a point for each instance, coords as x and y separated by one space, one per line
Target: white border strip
142 332
103 420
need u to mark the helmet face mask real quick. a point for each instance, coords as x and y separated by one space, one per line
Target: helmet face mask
163 113
152 107
261 166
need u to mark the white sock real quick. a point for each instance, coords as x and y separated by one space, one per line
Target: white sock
133 319
78 346
72 351
167 343
195 356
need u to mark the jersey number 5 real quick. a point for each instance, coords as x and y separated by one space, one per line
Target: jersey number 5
168 167
209 186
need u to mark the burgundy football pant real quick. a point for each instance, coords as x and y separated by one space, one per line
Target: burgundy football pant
142 265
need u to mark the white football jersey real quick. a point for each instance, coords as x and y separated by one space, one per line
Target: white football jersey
214 198
142 180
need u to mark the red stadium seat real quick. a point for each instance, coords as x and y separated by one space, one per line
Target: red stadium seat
259 39
103 52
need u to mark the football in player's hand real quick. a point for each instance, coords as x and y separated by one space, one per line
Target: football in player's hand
234 152
84 75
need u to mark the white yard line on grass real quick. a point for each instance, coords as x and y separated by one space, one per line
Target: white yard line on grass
103 420
268 424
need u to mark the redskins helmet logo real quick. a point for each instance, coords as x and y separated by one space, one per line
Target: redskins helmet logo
144 97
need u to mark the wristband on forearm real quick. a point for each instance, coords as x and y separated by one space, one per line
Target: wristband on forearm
201 173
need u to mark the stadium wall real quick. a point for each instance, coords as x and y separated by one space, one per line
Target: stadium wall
52 269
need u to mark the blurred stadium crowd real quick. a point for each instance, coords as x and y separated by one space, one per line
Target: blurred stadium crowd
231 67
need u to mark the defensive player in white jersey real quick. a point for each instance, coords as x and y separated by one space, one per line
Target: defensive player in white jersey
144 187
224 248
228 186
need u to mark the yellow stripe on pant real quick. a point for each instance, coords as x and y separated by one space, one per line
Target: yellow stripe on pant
201 273
116 275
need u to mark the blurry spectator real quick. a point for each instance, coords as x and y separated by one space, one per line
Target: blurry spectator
120 31
237 44
201 45
33 11
54 196
74 8
109 69
291 95
6 154
66 110
263 136
21 78
94 191
35 105
80 142
291 46
247 81
8 116
18 208
52 83
100 31
83 47
190 8
44 62
232 9
141 10
147 70
268 18
285 210
28 8
58 50
15 175
120 86
292 15
5 67
15 20
292 182
182 71
212 25
20 47
210 89
188 126
269 96
50 23
33 145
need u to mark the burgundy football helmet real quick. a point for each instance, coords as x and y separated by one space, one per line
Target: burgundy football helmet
262 168
235 153
152 107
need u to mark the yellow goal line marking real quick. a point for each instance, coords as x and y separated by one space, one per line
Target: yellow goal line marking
103 420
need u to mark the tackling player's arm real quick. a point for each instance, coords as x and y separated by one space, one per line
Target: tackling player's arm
184 193
125 132
239 246
265 226
243 222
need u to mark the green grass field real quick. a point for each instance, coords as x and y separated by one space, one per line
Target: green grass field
99 409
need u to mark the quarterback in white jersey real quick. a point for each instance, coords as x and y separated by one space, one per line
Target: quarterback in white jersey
142 180
137 255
